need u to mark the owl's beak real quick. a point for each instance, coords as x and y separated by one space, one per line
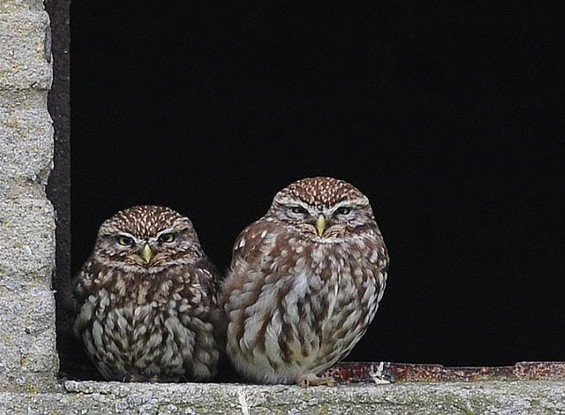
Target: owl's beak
321 225
146 253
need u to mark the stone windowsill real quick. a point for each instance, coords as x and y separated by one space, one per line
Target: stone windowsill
530 387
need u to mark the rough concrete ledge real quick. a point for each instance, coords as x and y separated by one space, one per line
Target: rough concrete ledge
489 397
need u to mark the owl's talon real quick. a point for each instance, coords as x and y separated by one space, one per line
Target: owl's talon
310 379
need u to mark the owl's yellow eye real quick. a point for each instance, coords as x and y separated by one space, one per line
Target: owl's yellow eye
298 210
343 210
124 240
167 237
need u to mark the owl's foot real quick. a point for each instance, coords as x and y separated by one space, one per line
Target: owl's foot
151 378
310 379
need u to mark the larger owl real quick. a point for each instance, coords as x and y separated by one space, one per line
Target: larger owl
304 283
145 303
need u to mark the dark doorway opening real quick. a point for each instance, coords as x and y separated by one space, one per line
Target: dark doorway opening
448 117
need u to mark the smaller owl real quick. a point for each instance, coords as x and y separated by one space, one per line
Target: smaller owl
304 284
144 304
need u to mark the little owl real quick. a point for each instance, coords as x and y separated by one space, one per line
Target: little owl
144 303
304 283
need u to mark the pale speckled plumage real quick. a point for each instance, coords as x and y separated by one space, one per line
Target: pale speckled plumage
296 302
148 321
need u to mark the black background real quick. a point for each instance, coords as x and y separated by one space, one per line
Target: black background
448 115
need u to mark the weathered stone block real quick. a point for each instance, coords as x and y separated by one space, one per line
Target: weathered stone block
27 243
12 6
26 139
25 51
28 357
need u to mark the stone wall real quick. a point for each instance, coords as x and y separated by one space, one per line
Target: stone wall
28 356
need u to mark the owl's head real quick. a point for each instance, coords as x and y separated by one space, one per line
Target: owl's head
147 238
323 208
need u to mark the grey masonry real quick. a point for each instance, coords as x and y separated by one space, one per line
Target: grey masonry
28 358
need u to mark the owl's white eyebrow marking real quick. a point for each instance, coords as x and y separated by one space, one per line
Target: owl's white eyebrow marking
168 230
129 235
